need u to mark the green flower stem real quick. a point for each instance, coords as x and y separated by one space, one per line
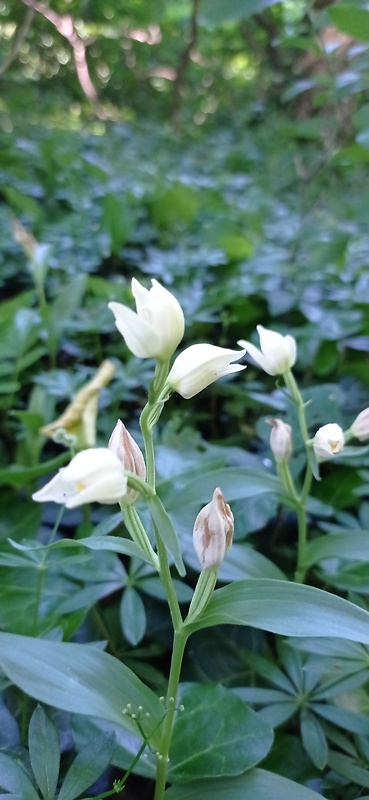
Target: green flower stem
296 396
179 644
301 542
150 416
202 594
167 581
287 481
300 499
138 533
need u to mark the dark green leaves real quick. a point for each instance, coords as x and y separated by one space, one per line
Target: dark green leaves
78 678
216 735
257 784
286 608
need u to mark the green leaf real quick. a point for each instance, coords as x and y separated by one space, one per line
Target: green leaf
351 20
132 616
235 483
216 734
116 544
20 476
257 784
166 532
177 204
313 739
44 752
14 779
78 678
351 545
285 608
347 767
87 767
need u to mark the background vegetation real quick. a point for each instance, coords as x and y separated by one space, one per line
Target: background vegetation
222 148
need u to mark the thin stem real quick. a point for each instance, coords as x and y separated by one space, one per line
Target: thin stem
149 418
138 533
296 396
301 543
179 643
202 594
167 581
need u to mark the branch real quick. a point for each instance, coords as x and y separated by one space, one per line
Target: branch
184 59
18 40
64 24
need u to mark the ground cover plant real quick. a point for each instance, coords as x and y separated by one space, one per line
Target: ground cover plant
143 653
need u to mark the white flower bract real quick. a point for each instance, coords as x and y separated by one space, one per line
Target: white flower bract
277 353
123 445
328 441
94 475
360 426
281 440
200 365
213 531
157 328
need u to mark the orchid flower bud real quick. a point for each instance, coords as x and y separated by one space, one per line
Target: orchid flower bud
157 328
328 441
281 440
213 531
94 475
277 353
200 365
123 445
360 426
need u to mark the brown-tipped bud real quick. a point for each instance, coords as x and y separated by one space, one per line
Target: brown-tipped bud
281 440
360 426
213 531
122 444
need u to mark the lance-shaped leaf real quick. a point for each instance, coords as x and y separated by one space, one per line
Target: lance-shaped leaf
256 784
165 530
286 608
81 679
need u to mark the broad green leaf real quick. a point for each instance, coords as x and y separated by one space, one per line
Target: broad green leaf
351 20
132 616
256 784
285 608
313 739
166 532
115 544
44 752
235 483
87 767
242 561
177 204
78 678
20 476
202 749
353 546
14 779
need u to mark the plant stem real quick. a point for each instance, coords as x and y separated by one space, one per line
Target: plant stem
300 499
138 533
179 643
149 418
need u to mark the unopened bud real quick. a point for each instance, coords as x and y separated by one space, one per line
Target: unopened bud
123 445
360 426
213 531
281 440
328 441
